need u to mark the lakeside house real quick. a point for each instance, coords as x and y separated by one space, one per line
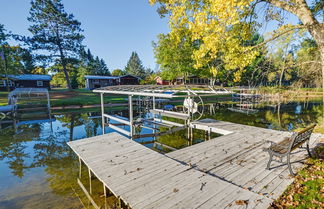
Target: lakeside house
25 81
96 81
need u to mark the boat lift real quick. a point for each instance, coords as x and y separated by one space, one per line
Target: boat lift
25 97
192 96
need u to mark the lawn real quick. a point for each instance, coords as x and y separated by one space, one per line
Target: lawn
64 97
307 190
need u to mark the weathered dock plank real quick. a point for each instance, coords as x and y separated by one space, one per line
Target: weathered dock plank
239 157
144 178
213 174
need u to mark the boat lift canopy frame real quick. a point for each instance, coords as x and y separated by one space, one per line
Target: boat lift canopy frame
162 91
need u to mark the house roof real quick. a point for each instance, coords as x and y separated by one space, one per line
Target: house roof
100 77
129 75
31 77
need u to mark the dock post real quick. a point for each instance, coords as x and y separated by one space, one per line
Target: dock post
119 202
105 194
80 167
48 104
90 185
102 113
153 100
130 103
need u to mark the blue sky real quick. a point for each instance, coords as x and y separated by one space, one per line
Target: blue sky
112 28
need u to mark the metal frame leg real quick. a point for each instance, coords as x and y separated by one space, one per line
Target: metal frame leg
308 150
130 105
289 165
270 160
102 113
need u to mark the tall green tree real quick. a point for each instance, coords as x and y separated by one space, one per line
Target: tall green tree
13 59
135 67
308 64
4 51
54 31
282 57
100 67
27 61
174 59
224 25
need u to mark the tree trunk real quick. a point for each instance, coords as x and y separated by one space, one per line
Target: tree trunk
321 49
65 70
63 61
67 77
281 76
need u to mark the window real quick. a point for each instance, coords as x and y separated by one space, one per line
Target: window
40 83
2 83
10 83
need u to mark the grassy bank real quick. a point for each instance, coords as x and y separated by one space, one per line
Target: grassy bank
80 97
307 189
291 91
63 97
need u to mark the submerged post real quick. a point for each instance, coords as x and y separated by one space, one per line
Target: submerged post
102 113
48 104
153 101
130 104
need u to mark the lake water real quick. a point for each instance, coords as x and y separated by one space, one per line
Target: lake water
38 170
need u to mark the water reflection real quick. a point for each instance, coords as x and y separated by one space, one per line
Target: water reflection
38 170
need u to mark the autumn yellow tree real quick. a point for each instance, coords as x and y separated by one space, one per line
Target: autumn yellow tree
224 26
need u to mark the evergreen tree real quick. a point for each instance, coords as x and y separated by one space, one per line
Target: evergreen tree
134 66
103 68
27 61
13 59
56 32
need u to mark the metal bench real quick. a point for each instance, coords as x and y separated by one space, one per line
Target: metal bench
286 146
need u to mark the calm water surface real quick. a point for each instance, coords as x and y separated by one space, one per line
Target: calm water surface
38 170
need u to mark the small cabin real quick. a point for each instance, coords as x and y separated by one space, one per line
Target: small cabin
96 81
25 81
128 80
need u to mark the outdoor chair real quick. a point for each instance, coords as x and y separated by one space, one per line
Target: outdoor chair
286 146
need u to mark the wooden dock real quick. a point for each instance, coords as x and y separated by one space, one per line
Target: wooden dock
225 172
239 157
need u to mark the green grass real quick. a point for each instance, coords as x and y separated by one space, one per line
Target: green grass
78 97
307 189
83 100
